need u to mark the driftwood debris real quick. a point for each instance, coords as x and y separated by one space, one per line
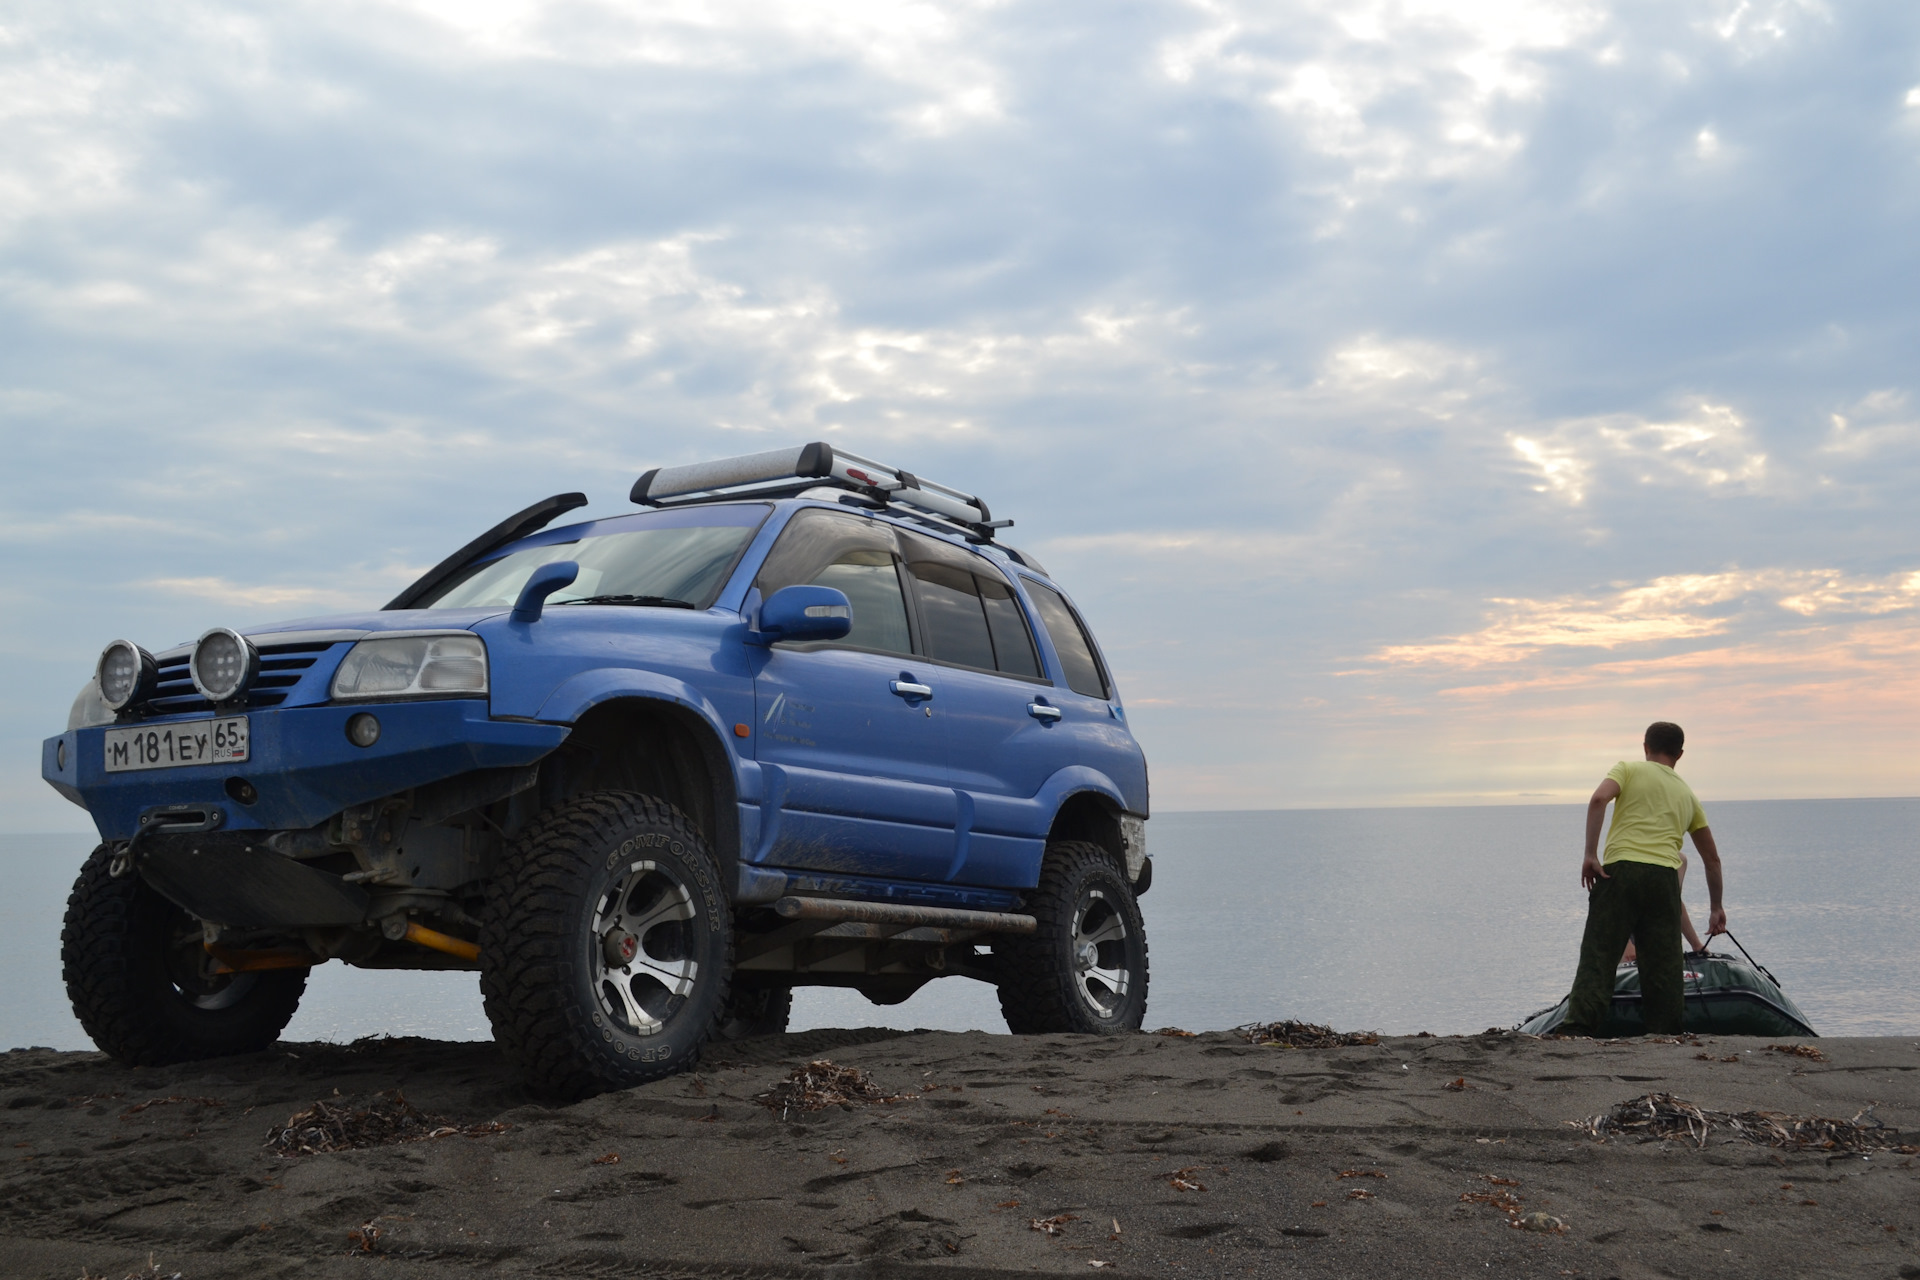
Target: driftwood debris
337 1126
1304 1035
1663 1116
821 1084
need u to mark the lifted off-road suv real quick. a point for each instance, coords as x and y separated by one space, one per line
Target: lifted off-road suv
800 721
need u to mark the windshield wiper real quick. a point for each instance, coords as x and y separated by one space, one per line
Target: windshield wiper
659 602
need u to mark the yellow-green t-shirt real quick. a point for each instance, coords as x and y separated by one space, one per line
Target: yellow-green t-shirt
1652 815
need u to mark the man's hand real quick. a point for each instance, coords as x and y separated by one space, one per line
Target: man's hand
1716 921
1591 870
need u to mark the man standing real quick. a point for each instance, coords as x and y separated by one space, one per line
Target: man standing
1635 891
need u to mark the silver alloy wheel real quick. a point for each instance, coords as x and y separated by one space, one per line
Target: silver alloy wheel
643 966
1100 954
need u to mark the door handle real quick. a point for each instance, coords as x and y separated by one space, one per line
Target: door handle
1041 711
908 689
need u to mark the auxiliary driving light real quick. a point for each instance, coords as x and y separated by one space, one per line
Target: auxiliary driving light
223 665
363 729
127 674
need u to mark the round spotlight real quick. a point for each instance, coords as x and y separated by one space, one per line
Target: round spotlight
242 790
127 674
363 729
223 665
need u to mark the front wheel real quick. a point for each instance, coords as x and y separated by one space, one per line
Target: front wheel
607 946
145 989
1085 969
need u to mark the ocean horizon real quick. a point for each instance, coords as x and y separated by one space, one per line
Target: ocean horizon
1440 918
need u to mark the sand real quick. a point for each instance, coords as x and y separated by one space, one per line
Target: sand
1148 1155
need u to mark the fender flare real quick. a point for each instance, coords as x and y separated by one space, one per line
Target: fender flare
586 690
1062 788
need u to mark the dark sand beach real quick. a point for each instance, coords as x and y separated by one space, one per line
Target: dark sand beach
1151 1154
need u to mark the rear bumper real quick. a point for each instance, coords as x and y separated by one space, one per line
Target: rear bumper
302 766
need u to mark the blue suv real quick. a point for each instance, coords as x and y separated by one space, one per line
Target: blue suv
801 720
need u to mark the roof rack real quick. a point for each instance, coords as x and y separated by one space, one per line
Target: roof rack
786 473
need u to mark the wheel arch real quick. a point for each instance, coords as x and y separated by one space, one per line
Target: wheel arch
1094 817
656 746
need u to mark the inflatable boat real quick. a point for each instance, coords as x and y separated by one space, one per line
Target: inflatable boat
1726 996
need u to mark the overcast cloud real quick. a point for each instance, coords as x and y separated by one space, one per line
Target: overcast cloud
1419 397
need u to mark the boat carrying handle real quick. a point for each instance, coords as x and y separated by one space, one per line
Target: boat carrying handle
1750 960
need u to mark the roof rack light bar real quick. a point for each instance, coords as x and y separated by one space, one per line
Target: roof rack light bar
804 467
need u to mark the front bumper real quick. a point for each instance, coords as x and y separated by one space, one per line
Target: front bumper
302 766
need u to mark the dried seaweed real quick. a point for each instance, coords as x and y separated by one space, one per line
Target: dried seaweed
331 1126
1507 1202
821 1084
1304 1035
1799 1051
1182 1179
1663 1116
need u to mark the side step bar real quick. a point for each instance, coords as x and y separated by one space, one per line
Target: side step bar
893 913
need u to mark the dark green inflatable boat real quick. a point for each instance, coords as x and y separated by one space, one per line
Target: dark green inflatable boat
1725 996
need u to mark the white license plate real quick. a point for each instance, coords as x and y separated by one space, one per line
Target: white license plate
184 742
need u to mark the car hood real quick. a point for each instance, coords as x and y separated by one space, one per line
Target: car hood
352 626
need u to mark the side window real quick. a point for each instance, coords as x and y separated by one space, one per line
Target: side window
872 585
1070 641
967 609
853 555
951 611
1012 644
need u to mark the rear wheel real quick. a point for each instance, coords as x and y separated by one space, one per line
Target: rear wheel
1085 968
607 946
145 989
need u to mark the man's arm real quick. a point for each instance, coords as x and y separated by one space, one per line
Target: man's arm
1710 859
1590 868
1686 918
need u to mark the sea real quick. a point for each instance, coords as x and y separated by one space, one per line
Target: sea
1449 920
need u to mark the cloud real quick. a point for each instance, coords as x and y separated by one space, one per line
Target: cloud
1681 607
1709 449
1477 340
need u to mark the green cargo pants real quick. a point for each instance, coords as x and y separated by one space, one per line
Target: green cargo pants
1642 902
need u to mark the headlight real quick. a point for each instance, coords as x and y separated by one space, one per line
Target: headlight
127 674
223 665
412 667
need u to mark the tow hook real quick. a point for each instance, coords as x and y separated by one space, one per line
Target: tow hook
180 819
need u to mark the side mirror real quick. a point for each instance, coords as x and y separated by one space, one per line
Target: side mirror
803 613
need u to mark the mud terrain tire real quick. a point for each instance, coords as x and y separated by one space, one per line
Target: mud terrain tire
1085 969
606 947
143 986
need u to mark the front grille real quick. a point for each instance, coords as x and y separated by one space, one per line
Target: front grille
281 666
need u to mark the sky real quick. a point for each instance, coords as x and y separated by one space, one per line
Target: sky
1418 397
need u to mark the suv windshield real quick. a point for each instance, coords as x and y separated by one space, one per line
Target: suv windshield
664 557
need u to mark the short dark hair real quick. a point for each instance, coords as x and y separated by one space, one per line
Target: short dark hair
1665 738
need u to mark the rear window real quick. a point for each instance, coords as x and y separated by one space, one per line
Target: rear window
967 609
1070 641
